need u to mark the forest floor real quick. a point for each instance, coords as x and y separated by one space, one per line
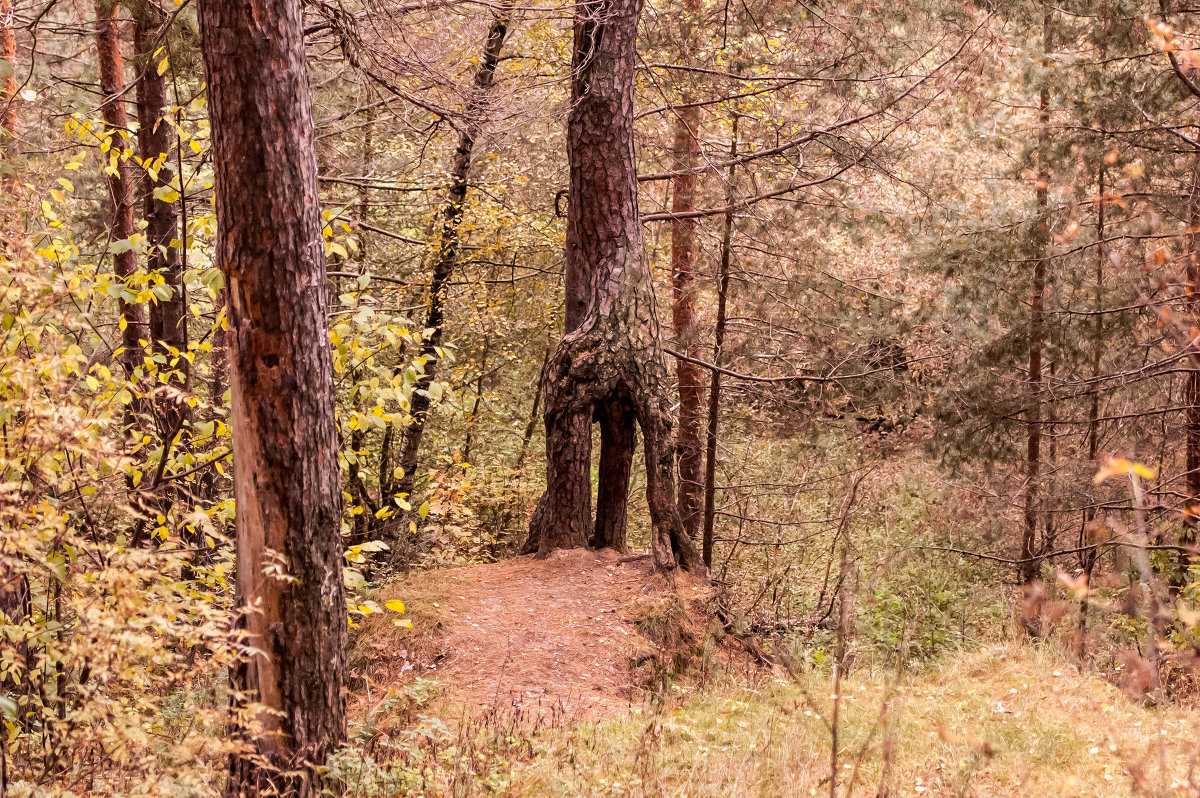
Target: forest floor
536 665
570 637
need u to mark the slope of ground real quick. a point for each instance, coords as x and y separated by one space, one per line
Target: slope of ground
539 657
545 639
1005 721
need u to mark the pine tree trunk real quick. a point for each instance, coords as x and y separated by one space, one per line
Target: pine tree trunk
1037 326
8 97
612 352
689 379
289 500
447 255
683 317
167 317
1191 515
714 390
120 180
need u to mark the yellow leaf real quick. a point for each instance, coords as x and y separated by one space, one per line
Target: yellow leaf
1120 467
395 605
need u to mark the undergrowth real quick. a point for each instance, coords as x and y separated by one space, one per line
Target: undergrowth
1006 720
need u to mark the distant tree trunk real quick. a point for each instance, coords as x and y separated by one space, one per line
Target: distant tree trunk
689 379
368 163
447 254
474 411
168 319
1191 512
8 52
714 389
612 354
120 180
8 119
1037 322
289 500
1088 557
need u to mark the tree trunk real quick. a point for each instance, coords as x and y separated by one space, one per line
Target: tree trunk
168 325
612 353
120 182
1087 556
689 378
289 500
447 255
714 390
8 52
1191 512
1037 323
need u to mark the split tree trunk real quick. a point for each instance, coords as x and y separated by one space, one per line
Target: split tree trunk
610 365
447 255
120 179
689 378
289 500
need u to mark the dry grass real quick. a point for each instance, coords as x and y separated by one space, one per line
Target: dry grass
1006 721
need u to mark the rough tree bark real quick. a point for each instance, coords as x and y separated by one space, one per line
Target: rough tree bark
1037 322
688 376
447 253
610 365
167 317
120 179
289 500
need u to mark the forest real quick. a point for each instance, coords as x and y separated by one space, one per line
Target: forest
451 398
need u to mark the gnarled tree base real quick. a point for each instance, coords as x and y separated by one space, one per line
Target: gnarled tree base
610 370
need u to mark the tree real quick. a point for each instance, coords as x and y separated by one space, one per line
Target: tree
610 365
1037 318
690 381
289 501
120 181
448 246
167 319
8 55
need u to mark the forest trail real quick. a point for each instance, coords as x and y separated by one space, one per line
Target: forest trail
538 639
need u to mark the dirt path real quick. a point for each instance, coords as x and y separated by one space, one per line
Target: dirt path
543 638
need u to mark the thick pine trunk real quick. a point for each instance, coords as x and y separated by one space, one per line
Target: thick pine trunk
120 179
448 244
612 353
289 500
